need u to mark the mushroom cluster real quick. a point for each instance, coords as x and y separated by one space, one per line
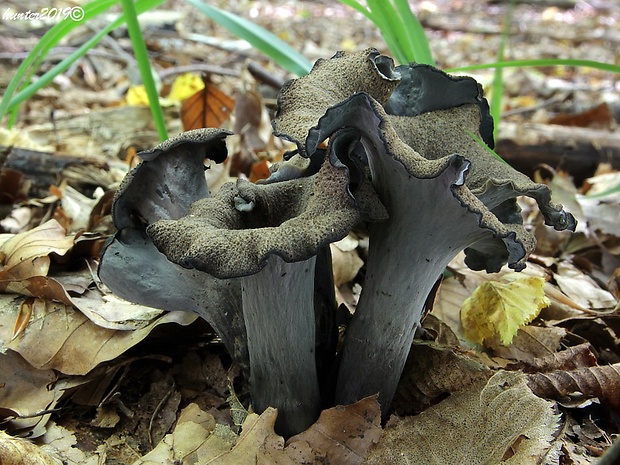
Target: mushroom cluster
403 150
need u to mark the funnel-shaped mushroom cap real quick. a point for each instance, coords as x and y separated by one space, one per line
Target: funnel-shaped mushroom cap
436 115
163 186
233 233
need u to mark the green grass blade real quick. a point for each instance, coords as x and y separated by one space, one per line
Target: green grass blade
386 19
144 65
538 63
485 146
260 38
358 7
415 33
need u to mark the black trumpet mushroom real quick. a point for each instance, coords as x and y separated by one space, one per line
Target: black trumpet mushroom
405 151
425 138
169 180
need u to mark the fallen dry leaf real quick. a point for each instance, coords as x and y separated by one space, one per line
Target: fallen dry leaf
196 439
582 289
346 263
15 451
26 393
432 371
530 342
207 108
342 434
73 344
500 422
26 254
579 356
257 430
589 382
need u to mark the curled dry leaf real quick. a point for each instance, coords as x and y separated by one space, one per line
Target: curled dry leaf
73 344
589 382
15 451
27 254
579 356
498 422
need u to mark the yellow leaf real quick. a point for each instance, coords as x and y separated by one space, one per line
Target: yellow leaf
500 308
185 85
136 96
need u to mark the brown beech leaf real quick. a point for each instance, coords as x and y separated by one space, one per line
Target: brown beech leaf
598 116
62 338
589 382
497 422
432 371
569 359
26 254
342 434
207 108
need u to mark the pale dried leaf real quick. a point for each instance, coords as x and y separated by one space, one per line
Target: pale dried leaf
582 289
101 306
345 264
478 426
601 204
73 344
257 431
15 451
26 248
62 444
195 439
26 392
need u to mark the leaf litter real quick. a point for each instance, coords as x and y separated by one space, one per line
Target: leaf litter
92 379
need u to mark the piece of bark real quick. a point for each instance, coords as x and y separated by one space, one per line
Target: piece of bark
576 150
45 168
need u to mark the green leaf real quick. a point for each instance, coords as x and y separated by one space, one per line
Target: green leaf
144 65
416 36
